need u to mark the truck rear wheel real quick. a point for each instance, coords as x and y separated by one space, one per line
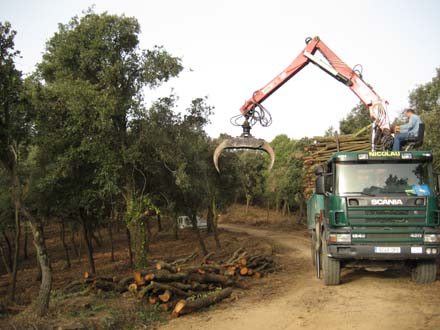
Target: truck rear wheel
331 268
424 272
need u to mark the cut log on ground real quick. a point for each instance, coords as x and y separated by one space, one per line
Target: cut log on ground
168 306
133 287
166 296
145 291
169 267
170 282
244 271
170 288
106 286
137 276
187 306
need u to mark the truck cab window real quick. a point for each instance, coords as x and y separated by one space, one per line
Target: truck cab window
378 179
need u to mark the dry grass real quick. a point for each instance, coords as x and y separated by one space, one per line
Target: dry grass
257 216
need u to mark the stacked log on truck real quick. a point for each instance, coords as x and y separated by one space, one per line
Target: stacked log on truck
322 147
182 287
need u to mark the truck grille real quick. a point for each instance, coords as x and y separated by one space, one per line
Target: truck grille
396 217
387 236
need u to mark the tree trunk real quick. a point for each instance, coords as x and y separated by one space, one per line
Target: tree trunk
267 211
175 228
214 222
148 227
41 303
25 245
39 274
9 255
147 236
93 237
5 261
63 242
101 241
197 231
17 205
248 202
210 217
159 223
89 247
72 241
112 245
130 251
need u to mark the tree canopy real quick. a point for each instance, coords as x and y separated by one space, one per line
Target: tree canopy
357 119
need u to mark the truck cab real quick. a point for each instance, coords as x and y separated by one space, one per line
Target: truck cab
375 208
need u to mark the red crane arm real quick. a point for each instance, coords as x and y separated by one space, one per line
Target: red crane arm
337 69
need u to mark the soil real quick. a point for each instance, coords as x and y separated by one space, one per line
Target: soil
295 299
108 310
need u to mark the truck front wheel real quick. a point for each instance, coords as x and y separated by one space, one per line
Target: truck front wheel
424 272
331 268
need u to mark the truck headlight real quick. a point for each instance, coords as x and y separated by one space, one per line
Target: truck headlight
431 238
340 238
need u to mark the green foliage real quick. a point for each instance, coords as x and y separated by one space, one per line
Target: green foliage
15 114
357 119
330 131
432 135
136 209
425 99
285 183
88 90
252 174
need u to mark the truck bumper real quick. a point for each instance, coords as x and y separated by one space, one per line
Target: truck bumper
371 252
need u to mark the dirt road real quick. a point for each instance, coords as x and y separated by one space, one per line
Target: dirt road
365 300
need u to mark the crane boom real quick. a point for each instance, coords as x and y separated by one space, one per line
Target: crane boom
336 68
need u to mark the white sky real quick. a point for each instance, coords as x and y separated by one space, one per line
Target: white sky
236 47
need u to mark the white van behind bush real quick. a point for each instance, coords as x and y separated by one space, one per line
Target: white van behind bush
184 222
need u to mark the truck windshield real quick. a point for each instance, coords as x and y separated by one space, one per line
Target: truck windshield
382 178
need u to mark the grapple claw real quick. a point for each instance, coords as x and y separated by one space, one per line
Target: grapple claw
242 142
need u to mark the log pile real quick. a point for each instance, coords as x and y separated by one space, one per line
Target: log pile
181 287
321 149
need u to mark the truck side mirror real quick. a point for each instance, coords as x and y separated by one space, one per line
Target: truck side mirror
320 185
437 183
319 171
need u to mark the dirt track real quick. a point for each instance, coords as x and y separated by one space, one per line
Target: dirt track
365 300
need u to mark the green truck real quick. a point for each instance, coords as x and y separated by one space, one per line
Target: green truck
375 209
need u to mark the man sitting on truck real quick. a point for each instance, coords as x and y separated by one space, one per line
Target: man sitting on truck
404 132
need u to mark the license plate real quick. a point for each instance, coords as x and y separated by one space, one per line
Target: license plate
386 249
416 249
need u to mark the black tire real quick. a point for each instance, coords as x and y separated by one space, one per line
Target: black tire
424 272
312 248
331 268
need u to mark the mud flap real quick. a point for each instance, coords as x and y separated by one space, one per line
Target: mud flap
318 249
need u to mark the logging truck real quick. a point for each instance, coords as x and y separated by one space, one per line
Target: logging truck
376 209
